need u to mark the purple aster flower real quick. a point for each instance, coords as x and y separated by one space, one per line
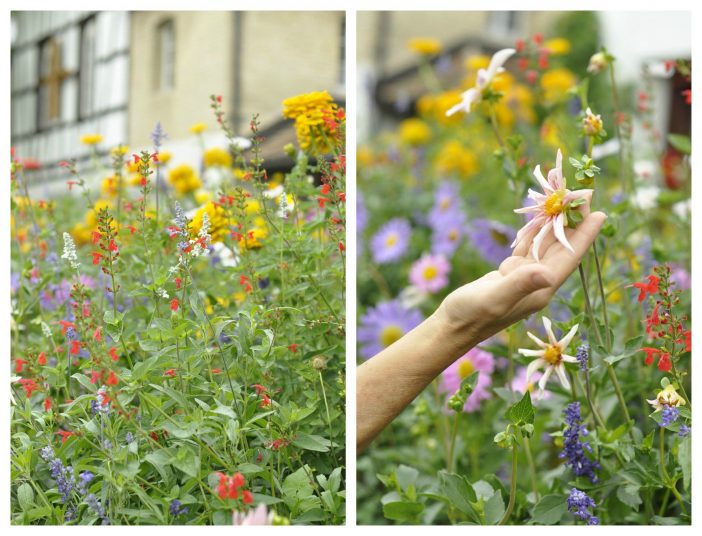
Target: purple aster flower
384 324
491 239
15 282
579 504
447 232
464 366
669 415
680 276
684 430
430 273
361 213
573 448
446 199
390 243
583 355
176 509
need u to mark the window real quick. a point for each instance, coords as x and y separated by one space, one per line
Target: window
87 69
51 77
166 56
505 24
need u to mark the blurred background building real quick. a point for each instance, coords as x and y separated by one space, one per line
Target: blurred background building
389 80
118 73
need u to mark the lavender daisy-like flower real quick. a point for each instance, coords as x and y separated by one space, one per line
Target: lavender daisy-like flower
448 232
384 324
579 504
464 366
551 356
491 239
573 448
446 199
482 82
549 212
430 273
390 243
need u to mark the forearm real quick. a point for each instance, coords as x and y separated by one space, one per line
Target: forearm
388 382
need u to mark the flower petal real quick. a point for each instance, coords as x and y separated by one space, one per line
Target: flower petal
539 238
498 60
560 370
559 231
549 330
537 340
565 341
545 377
530 353
533 367
555 176
542 180
569 358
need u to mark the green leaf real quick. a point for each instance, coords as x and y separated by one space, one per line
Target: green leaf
629 495
494 508
312 442
408 512
459 491
522 412
187 461
549 510
468 383
406 476
685 460
681 143
25 496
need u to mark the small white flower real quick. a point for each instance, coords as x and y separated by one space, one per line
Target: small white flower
46 330
646 197
411 297
69 251
283 206
551 356
475 94
161 293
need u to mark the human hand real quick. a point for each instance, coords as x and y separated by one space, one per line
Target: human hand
521 286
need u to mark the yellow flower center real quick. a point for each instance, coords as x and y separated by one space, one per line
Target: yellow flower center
465 368
445 204
391 240
430 272
552 355
390 334
453 235
554 203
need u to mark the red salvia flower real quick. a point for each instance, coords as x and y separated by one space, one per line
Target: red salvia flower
95 376
178 282
248 497
75 347
29 386
293 348
647 288
96 237
265 401
65 324
260 389
41 359
174 304
19 365
664 363
342 248
112 379
65 434
96 257
170 373
47 404
113 354
519 45
650 354
97 334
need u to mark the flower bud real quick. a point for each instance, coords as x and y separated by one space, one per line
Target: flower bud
592 124
598 62
319 362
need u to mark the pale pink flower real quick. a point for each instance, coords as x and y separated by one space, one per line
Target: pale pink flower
257 516
549 212
521 385
551 356
430 273
483 79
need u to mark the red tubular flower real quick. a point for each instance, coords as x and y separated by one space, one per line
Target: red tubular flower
265 401
650 354
216 371
174 304
96 257
112 379
325 189
293 348
41 359
178 282
19 365
170 373
29 386
652 321
95 376
86 310
687 93
532 76
647 288
65 324
75 347
238 480
97 334
322 201
664 363
65 434
96 237
113 246
47 404
113 354
519 45
132 229
248 497
688 340
538 38
260 389
342 248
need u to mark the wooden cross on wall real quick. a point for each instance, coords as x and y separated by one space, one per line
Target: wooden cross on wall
53 79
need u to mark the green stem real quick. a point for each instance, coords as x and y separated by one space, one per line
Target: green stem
512 489
452 442
326 406
678 379
532 468
602 296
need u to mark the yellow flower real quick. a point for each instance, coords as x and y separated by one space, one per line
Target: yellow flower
667 397
556 83
364 156
184 179
219 221
91 217
239 297
120 150
81 234
454 158
217 157
557 46
502 82
91 139
550 133
164 157
436 106
521 99
254 235
478 61
414 132
309 112
198 128
202 196
425 46
252 206
110 186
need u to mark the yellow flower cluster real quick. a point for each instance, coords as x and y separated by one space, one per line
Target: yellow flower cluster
557 46
556 84
111 185
217 157
219 221
424 46
414 132
309 112
184 179
435 106
81 231
198 128
454 158
91 139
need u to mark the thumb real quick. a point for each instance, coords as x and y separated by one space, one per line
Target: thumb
522 282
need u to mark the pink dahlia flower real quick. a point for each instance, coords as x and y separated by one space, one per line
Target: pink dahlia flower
464 366
549 212
430 273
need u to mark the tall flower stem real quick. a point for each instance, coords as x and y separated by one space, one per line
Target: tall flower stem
678 379
512 489
326 407
452 442
608 336
532 468
670 484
